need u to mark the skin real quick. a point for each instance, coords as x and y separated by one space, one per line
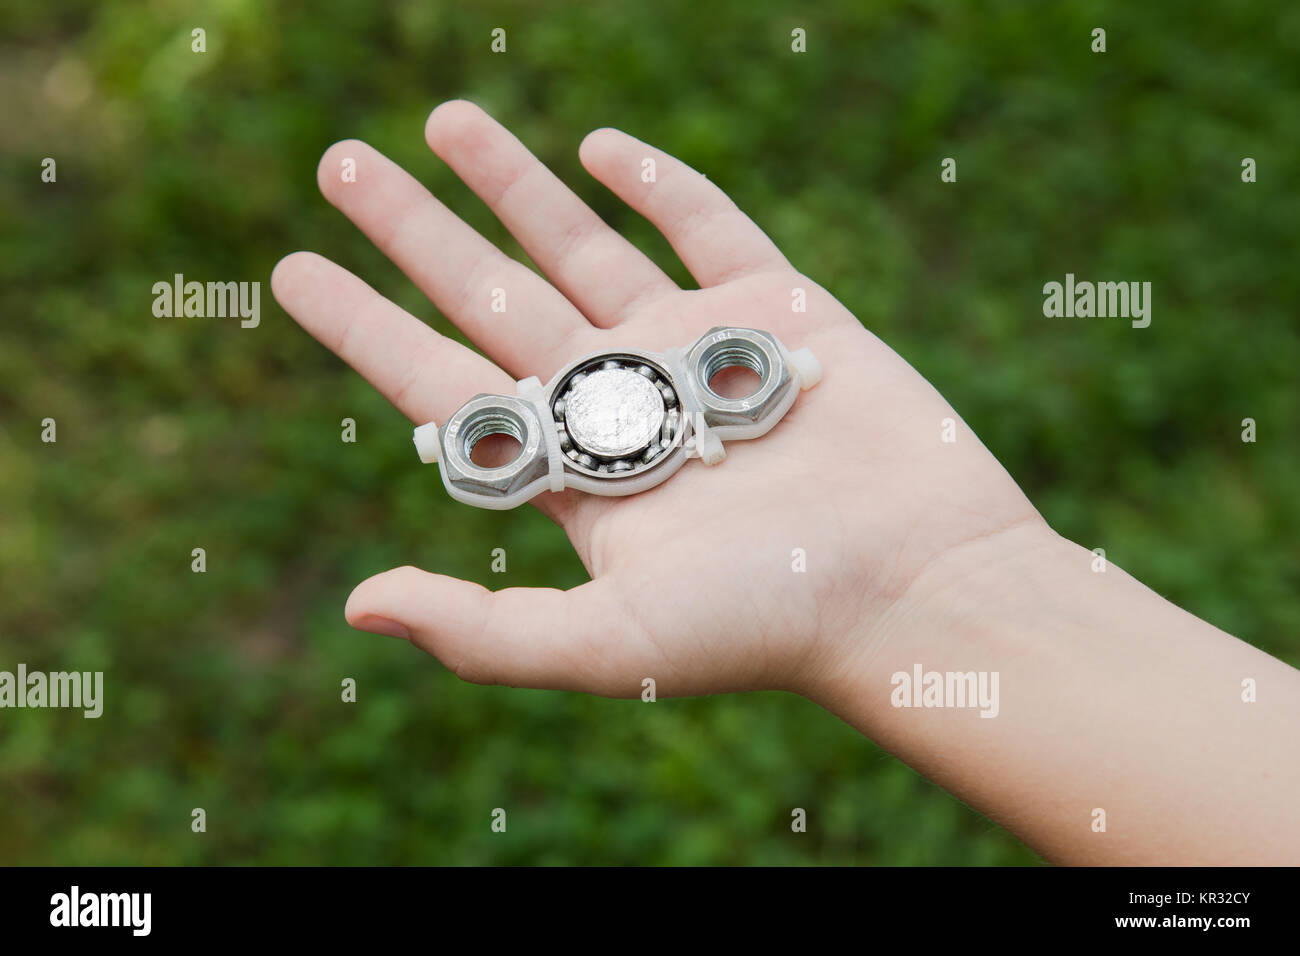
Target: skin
917 550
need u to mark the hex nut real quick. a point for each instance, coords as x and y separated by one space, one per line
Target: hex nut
721 348
485 415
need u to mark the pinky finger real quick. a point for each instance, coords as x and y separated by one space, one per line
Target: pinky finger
714 239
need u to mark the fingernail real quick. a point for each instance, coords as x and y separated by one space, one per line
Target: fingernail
381 625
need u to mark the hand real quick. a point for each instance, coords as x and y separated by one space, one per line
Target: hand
918 551
692 582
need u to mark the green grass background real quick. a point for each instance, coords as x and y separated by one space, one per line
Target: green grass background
223 688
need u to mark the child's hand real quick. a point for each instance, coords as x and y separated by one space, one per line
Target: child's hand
694 582
919 552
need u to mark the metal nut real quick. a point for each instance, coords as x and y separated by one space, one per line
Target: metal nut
486 415
721 348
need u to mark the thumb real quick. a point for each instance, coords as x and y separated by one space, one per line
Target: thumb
523 637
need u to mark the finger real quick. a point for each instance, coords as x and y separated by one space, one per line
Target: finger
596 268
520 320
714 239
426 375
524 637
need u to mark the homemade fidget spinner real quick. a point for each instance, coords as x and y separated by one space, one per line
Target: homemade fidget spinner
616 423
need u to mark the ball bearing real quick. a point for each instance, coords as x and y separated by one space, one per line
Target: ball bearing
616 415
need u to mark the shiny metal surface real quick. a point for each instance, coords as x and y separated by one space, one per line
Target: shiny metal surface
613 413
619 422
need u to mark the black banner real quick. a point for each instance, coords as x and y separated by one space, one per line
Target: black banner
334 905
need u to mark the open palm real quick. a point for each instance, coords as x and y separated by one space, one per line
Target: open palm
761 572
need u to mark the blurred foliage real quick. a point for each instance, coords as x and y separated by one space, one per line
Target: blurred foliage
223 688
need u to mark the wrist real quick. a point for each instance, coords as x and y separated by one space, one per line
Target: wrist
1108 704
959 600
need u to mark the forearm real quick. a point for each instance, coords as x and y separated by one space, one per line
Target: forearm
1109 698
